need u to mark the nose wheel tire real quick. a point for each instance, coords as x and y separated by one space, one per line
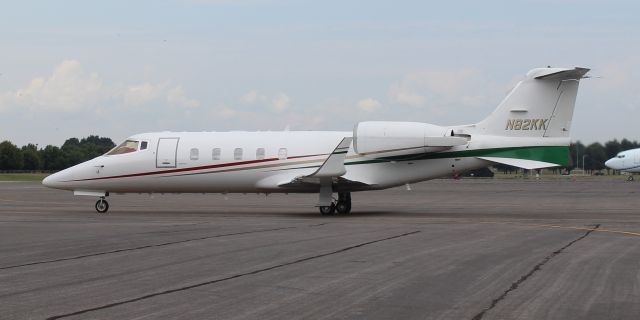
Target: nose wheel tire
328 210
102 206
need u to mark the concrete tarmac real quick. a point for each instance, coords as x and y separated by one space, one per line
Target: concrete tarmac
448 249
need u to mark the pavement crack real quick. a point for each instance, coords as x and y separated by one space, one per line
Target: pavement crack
205 283
140 247
535 269
319 224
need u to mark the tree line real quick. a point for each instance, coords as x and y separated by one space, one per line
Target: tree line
593 156
588 157
52 158
74 151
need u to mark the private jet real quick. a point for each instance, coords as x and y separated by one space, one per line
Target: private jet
529 129
626 161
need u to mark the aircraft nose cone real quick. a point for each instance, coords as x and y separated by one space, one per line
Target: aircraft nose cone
47 181
612 163
51 181
57 180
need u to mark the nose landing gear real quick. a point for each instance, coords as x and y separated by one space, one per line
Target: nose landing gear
102 206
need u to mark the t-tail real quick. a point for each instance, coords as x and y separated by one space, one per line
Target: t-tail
534 120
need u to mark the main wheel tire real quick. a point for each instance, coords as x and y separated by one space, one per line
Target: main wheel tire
102 206
343 207
630 178
328 210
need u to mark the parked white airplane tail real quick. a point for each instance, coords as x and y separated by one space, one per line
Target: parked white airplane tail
539 106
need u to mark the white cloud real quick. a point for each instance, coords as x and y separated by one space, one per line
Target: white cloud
616 75
277 103
143 93
227 112
252 97
148 92
438 89
177 97
68 88
280 103
369 105
403 95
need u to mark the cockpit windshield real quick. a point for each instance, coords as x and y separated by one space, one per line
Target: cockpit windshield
125 147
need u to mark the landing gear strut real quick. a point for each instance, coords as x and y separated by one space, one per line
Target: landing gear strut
342 206
102 205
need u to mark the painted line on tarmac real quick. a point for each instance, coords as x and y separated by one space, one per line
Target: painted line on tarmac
432 221
555 226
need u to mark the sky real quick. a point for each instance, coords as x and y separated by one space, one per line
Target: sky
116 68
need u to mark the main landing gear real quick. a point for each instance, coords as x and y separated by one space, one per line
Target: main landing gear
342 206
630 178
102 206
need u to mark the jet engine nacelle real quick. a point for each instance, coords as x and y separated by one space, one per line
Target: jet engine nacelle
389 138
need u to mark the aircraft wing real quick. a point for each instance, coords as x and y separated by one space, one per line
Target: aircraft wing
312 184
332 168
521 163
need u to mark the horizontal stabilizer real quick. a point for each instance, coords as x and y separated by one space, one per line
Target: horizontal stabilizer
521 163
561 73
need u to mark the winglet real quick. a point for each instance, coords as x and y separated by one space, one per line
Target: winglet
333 166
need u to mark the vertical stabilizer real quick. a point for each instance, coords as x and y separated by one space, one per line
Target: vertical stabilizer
539 106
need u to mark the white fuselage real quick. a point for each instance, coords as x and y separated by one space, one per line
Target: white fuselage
627 161
529 129
287 155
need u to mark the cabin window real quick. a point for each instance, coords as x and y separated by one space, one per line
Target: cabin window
194 154
237 154
143 145
125 147
282 154
260 153
215 154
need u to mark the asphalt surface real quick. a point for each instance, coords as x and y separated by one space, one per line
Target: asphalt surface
466 249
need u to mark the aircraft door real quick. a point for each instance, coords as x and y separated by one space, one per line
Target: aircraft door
167 152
